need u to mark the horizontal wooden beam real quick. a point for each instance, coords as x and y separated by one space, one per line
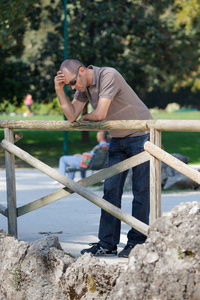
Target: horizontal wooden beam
135 125
172 161
75 126
88 181
175 125
70 184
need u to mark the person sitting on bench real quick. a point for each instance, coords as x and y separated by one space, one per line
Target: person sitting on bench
74 161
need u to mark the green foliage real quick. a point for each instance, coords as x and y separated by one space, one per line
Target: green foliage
14 17
17 277
187 18
15 80
183 254
147 41
50 108
15 74
180 254
183 97
7 107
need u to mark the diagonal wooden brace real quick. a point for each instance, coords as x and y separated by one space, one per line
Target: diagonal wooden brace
88 181
172 161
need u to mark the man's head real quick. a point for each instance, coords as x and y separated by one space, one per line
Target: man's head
76 74
102 136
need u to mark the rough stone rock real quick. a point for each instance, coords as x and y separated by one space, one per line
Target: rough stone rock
170 178
28 270
181 182
169 174
43 271
89 278
167 171
167 266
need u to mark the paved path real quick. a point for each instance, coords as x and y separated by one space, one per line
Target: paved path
73 219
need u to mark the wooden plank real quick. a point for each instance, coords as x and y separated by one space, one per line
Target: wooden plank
172 161
155 179
90 180
11 185
70 184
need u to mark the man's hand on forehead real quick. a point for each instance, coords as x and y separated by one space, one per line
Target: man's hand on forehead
59 80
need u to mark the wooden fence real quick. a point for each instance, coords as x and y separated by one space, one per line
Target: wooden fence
153 152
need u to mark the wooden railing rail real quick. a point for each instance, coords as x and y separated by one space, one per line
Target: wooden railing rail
136 125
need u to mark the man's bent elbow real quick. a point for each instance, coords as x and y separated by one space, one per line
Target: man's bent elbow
71 119
101 117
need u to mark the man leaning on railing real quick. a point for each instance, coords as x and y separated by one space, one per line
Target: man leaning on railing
112 99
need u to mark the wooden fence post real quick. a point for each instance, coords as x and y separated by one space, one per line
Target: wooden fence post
11 185
155 178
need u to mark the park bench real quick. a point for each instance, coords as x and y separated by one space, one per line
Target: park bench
98 161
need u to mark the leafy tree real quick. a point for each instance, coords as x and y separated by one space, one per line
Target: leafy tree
15 75
142 39
187 17
139 38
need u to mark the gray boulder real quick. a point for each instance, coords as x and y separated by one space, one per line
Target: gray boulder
170 178
43 271
180 181
167 266
167 171
31 271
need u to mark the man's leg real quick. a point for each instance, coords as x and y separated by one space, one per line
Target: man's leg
140 188
71 161
140 204
109 228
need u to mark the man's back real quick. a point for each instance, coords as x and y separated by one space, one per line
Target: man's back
125 104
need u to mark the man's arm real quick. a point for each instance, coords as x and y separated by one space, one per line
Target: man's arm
100 112
71 109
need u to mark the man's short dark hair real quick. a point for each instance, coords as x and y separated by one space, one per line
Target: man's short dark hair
71 65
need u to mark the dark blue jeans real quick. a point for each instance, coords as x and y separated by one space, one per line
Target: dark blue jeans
110 226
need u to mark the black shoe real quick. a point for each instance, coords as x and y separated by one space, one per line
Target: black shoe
97 249
127 249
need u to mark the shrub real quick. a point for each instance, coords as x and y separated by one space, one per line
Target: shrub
51 108
171 107
7 107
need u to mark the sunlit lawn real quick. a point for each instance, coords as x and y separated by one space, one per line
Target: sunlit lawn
186 143
48 145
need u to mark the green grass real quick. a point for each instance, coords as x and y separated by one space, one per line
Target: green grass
195 115
185 143
47 146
